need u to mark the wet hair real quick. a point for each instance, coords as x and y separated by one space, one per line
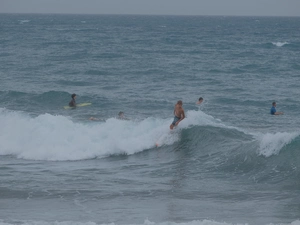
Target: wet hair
120 113
200 99
179 102
73 95
273 103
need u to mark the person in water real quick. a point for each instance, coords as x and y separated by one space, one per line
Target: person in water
72 103
273 110
93 118
200 100
121 116
178 114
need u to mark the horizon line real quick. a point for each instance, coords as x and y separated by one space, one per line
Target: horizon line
135 14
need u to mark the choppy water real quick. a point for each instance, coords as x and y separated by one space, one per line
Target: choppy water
229 162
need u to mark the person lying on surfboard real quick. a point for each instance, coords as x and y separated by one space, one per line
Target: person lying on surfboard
72 103
178 114
120 117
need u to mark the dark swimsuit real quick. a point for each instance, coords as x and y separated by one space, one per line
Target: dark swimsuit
72 103
175 120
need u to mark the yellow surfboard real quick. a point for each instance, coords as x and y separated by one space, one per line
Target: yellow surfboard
78 105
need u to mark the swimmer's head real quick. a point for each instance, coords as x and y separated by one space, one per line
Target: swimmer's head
200 100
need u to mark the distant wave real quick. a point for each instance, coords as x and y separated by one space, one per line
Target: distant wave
270 45
24 21
280 44
46 99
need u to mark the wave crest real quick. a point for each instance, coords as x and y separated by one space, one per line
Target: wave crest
271 144
59 138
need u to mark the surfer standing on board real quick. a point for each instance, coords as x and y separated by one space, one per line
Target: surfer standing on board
178 113
72 103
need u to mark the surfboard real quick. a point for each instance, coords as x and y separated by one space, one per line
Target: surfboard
166 137
78 105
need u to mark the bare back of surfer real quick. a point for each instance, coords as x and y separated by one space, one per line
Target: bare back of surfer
178 114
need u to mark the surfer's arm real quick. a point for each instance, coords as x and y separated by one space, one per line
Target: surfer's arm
181 117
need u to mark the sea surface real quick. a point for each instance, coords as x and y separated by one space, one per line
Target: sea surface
228 162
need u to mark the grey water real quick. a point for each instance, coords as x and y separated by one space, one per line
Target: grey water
228 162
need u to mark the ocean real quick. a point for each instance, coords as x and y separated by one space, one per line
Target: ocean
229 162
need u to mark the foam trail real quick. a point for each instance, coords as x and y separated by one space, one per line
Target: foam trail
271 144
49 137
280 44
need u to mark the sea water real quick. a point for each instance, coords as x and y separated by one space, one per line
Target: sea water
228 162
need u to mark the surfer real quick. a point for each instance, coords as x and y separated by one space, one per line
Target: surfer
273 110
121 116
72 103
178 114
93 118
200 100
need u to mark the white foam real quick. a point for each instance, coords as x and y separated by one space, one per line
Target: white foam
58 138
24 21
271 144
280 44
194 117
49 137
